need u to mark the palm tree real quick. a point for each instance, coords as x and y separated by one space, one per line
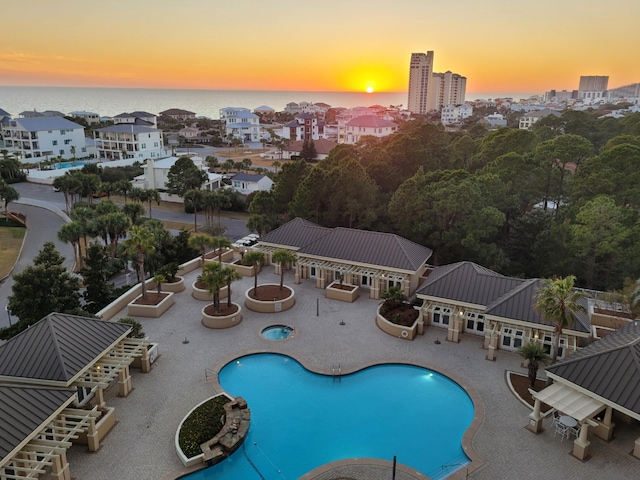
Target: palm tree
220 243
159 279
285 258
214 279
247 163
151 195
8 194
133 211
72 232
200 241
123 187
254 258
533 353
141 242
194 196
276 164
558 302
230 275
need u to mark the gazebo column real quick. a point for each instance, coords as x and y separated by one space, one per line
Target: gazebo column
93 441
406 287
636 448
320 279
581 444
278 268
60 467
493 346
100 397
298 273
124 382
455 325
535 422
375 289
145 360
604 430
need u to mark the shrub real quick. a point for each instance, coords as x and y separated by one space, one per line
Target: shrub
202 425
136 331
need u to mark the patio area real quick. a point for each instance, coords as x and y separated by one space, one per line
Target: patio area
142 444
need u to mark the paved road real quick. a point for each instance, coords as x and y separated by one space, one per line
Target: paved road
43 226
236 228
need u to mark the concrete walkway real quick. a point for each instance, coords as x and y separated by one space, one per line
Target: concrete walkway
141 446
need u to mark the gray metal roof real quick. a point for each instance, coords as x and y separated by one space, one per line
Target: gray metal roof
467 282
248 177
127 128
351 245
609 367
37 124
296 233
4 112
518 304
177 111
58 347
23 410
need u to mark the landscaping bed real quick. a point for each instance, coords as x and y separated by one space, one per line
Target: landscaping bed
520 384
201 425
403 316
270 293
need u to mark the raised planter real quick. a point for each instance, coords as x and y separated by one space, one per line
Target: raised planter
399 331
175 287
222 321
227 256
153 356
153 311
204 295
344 293
273 306
103 426
245 271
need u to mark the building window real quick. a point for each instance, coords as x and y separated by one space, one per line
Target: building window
547 342
61 152
143 145
512 338
67 141
312 272
441 315
366 280
63 132
54 142
475 322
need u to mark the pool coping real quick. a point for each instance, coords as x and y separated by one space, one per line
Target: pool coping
475 461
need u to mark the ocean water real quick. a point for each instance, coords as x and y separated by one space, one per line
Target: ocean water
113 101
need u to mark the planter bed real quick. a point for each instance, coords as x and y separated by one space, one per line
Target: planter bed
270 298
226 319
149 308
344 292
203 293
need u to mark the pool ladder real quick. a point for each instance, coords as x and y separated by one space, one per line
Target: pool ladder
337 372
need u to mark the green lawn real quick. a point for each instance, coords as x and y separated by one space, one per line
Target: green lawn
10 243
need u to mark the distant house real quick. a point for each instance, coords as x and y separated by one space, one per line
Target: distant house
39 137
367 125
179 114
451 114
128 140
89 117
242 124
266 113
143 119
373 261
35 114
246 183
527 120
194 135
322 146
495 120
303 127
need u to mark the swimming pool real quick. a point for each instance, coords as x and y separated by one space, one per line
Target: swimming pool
61 165
276 332
301 420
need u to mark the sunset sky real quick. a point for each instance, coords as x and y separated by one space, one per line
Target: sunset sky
332 45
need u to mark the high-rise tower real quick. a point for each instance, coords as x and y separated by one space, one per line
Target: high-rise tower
421 97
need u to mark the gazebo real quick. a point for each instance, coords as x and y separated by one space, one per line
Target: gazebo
592 384
52 379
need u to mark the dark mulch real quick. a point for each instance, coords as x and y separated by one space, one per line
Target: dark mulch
153 298
224 310
348 288
404 316
521 386
270 293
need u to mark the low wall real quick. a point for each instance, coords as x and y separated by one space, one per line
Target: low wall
175 287
111 310
153 311
218 321
204 295
334 292
406 333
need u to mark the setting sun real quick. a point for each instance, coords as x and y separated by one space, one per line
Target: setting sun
369 89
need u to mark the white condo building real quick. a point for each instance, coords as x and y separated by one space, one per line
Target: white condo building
455 113
126 140
241 123
429 91
593 86
40 137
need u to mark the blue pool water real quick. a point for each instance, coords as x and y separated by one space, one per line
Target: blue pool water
301 420
277 332
60 165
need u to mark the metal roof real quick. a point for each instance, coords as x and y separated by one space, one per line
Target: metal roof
323 146
38 124
58 347
4 112
128 128
518 304
370 121
609 367
248 177
351 245
177 111
467 282
23 410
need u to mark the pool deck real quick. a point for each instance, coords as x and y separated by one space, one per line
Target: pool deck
141 446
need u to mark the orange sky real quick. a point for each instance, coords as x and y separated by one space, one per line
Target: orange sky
335 45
